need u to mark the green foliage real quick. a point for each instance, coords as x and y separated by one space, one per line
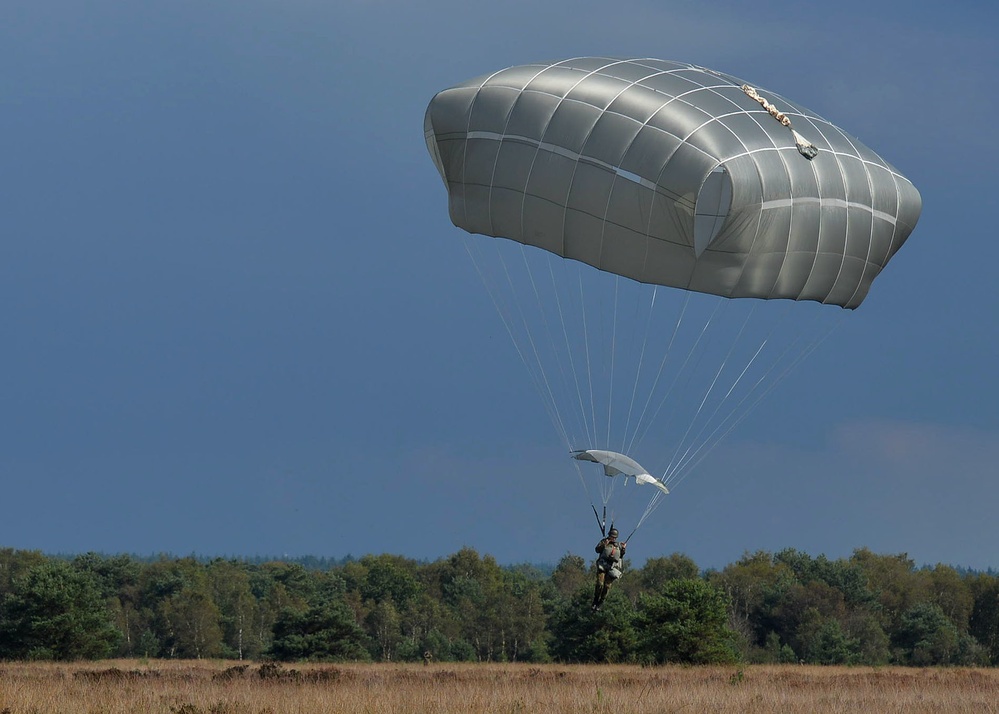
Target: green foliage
55 612
926 636
580 635
872 643
569 575
149 644
658 571
390 578
823 641
14 563
893 582
984 621
685 621
178 604
117 578
767 607
383 624
238 610
838 611
946 588
778 653
809 617
324 631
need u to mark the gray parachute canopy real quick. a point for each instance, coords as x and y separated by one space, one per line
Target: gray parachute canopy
616 464
671 174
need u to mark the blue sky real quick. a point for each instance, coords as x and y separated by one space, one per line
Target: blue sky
236 319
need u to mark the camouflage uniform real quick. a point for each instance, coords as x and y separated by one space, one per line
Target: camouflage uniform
610 557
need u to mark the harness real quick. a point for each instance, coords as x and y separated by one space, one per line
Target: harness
610 558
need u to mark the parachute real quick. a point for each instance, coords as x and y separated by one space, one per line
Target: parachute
616 464
638 188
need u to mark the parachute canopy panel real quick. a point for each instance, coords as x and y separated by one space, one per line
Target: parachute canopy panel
616 464
672 174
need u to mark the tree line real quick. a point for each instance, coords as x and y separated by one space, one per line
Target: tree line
765 608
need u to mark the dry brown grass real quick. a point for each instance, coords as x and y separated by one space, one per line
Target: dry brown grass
203 687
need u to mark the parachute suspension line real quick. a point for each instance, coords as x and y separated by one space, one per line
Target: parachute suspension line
589 369
582 480
540 384
708 444
541 379
648 512
613 354
633 531
551 339
638 370
568 347
683 369
506 313
659 374
754 396
738 414
550 333
707 394
735 417
587 411
649 509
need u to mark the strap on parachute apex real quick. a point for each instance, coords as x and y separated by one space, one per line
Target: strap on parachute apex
805 147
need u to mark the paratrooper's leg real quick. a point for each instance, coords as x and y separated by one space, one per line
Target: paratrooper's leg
600 591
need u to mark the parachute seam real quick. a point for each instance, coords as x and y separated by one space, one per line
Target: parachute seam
870 232
754 116
464 155
686 140
826 290
846 187
499 149
544 131
790 189
898 205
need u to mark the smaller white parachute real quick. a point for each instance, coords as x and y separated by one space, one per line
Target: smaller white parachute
616 464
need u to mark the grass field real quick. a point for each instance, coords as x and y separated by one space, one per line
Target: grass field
214 687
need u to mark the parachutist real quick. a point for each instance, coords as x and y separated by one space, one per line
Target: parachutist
609 560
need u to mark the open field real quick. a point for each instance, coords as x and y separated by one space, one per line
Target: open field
216 687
